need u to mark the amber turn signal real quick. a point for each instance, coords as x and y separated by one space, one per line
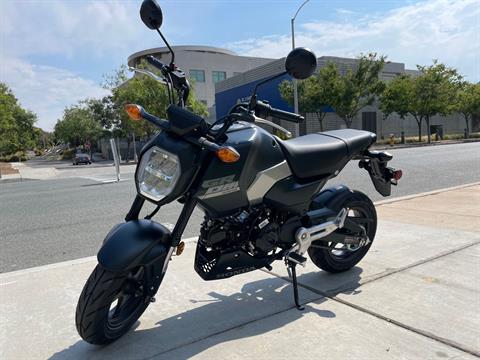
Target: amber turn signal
228 154
134 111
180 248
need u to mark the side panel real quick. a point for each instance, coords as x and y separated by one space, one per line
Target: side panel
289 195
225 185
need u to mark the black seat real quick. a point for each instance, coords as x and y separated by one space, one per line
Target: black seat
324 153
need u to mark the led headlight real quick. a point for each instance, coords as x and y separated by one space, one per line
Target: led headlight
157 173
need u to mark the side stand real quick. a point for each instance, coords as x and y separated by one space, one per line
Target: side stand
293 274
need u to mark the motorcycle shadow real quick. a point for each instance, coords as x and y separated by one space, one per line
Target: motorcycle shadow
259 307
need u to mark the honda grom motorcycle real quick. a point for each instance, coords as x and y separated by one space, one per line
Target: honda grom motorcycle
263 198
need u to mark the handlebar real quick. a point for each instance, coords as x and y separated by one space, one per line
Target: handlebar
263 110
152 60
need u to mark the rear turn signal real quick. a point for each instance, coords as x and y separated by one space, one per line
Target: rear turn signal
397 174
228 154
134 111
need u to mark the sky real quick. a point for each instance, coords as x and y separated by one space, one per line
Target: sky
54 53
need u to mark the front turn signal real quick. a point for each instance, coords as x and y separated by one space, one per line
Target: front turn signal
228 154
134 111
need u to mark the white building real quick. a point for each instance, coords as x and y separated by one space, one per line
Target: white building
204 65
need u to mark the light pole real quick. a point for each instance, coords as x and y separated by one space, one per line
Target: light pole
295 87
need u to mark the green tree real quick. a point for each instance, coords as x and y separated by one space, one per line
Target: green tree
435 91
399 97
359 87
467 102
77 126
315 94
17 132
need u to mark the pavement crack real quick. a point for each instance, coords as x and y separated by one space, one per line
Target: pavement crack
332 295
226 330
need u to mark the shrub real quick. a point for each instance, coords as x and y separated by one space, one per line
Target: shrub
18 156
67 154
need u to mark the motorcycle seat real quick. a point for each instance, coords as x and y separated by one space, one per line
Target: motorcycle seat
323 153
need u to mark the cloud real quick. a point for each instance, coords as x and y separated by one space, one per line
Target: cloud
67 28
447 30
65 34
46 90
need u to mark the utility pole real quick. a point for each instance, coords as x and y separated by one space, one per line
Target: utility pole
295 85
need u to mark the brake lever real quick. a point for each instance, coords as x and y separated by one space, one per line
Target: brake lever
148 73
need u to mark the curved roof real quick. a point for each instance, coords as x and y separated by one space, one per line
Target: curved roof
194 48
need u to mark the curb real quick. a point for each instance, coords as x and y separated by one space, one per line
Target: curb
427 193
414 145
61 264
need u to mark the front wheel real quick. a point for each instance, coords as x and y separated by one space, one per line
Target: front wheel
337 257
110 303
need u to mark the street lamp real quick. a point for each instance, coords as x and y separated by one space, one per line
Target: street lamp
295 88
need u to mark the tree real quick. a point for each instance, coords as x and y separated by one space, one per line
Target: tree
147 92
399 97
435 91
467 102
315 94
358 88
77 126
17 132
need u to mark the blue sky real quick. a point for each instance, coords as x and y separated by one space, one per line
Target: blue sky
54 53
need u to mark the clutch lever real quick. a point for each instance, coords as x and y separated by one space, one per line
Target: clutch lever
287 133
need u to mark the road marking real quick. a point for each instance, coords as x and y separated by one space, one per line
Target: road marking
65 263
105 181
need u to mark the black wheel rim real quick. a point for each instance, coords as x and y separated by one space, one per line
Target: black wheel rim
128 301
341 251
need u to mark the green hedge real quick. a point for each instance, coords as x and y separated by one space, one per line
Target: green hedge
18 156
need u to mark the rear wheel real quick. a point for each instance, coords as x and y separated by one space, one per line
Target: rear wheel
110 303
337 257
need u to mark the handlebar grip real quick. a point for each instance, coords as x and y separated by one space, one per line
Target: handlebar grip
285 115
264 109
155 62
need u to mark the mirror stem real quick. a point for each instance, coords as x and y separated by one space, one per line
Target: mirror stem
172 61
253 99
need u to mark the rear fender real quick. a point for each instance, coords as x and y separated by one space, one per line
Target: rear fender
134 243
383 177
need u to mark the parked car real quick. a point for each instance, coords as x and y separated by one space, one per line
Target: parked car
81 159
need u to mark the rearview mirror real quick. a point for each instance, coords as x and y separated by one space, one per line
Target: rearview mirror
151 14
301 63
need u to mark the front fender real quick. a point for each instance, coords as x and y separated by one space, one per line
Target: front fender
134 243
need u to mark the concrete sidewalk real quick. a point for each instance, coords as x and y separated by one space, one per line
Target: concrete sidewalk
416 295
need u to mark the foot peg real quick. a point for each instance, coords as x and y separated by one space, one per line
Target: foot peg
296 258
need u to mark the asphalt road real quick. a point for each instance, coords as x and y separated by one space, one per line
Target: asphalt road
43 222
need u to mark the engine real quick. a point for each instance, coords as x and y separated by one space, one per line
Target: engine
255 231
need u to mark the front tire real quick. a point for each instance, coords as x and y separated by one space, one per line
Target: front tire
110 304
334 259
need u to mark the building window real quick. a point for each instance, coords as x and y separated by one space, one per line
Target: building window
197 75
218 76
204 102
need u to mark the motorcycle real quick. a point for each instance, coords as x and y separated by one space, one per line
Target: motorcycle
263 198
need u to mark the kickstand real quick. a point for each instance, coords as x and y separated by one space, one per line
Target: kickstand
291 270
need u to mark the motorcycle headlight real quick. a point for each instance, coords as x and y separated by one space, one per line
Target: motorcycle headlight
157 173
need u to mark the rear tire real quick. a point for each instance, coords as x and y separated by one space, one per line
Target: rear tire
338 260
96 320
